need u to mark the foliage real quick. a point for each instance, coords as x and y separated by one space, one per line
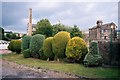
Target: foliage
36 44
26 53
15 46
47 48
10 36
76 49
60 27
59 43
76 32
44 27
10 46
25 43
42 54
1 33
93 58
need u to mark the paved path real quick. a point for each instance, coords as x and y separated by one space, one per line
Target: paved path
4 51
13 70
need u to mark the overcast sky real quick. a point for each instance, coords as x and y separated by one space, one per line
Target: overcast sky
83 14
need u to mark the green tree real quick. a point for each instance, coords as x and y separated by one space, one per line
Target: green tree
13 36
76 32
44 27
60 27
1 33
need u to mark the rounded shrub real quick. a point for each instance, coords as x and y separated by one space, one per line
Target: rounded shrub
76 49
42 54
36 44
47 48
26 53
93 58
10 46
15 46
59 43
25 43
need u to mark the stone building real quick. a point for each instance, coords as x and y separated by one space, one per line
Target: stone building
102 31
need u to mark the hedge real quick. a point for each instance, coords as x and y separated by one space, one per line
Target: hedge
25 43
47 48
36 44
26 53
59 44
15 46
93 58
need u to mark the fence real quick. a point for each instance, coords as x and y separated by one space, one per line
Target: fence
4 44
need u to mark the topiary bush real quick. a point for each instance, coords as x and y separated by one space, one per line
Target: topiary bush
36 44
93 58
15 46
59 43
76 49
10 46
42 54
47 48
26 53
25 43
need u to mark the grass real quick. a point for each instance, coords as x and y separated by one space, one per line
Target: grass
77 69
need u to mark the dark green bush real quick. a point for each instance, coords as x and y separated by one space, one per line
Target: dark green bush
26 53
76 49
47 48
42 54
59 44
25 43
36 44
15 46
93 58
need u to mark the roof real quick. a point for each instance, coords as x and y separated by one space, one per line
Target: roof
104 25
34 25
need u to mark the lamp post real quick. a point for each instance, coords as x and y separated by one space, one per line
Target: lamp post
111 43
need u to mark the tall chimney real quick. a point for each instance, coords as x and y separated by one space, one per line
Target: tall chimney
30 22
99 23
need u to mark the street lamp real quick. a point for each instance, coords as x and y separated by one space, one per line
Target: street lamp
111 43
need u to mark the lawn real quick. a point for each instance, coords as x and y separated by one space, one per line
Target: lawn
77 69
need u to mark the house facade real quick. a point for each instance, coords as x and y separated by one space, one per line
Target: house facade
102 31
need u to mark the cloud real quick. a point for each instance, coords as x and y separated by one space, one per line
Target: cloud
84 14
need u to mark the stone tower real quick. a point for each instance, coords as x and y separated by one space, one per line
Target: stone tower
30 23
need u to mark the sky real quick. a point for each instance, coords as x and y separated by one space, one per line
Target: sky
83 14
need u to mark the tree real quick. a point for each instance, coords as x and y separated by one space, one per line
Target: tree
13 36
60 27
76 32
44 27
1 33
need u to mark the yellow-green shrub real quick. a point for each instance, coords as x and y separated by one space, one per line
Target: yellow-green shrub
10 46
15 46
47 48
76 49
59 43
